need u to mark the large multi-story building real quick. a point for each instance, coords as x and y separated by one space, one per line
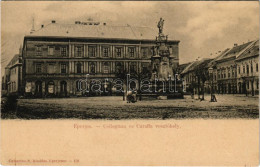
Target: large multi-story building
235 70
247 70
227 69
57 56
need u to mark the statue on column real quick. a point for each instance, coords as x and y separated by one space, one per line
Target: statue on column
160 25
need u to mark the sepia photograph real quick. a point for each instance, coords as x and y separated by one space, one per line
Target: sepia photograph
78 74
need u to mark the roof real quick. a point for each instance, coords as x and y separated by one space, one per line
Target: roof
234 52
184 65
194 64
13 61
252 50
95 31
218 57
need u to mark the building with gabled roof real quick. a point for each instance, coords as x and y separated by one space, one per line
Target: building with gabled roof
247 69
12 79
226 69
190 77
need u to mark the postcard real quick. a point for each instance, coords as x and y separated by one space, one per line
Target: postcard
122 83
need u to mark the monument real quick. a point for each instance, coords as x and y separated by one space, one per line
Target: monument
162 59
163 68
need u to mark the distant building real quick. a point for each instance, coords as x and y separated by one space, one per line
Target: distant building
235 70
57 56
190 76
248 70
12 80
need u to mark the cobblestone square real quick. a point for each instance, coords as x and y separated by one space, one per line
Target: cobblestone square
113 107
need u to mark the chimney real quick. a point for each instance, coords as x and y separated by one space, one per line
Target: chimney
53 21
42 26
104 24
235 44
20 50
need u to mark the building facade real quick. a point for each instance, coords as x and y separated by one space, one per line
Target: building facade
57 57
247 70
235 70
190 75
226 69
12 79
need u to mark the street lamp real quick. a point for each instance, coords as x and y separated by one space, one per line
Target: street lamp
212 96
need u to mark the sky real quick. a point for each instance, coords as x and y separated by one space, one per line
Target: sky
202 27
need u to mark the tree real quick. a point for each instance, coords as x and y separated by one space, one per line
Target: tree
122 74
144 74
202 74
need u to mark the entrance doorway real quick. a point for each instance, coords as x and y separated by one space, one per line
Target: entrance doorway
63 88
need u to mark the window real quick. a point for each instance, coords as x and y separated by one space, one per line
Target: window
92 51
257 85
144 52
247 69
38 68
14 86
244 70
50 87
239 69
247 84
106 67
132 68
228 73
78 51
50 50
256 67
118 52
132 52
38 50
78 85
63 68
92 68
78 67
119 67
105 51
252 68
144 69
63 51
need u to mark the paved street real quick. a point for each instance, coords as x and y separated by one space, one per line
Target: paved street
228 106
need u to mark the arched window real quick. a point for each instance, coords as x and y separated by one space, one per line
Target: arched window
50 87
78 86
78 67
